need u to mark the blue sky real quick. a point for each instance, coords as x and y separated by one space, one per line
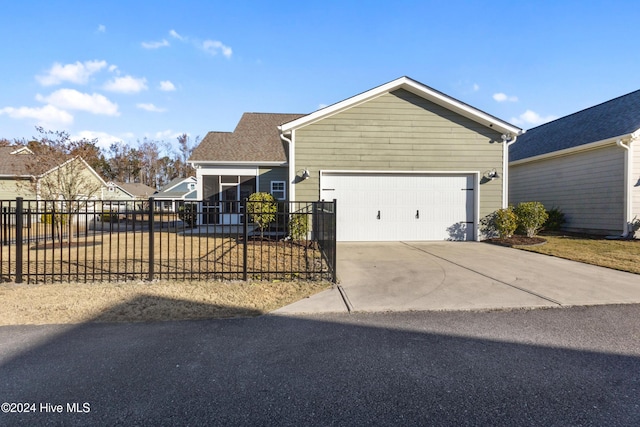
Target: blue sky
126 70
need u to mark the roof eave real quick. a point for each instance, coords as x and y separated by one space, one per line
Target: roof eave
194 163
578 148
414 87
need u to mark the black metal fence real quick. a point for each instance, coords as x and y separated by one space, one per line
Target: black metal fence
93 241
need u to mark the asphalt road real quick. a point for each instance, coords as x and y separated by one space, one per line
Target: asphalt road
569 366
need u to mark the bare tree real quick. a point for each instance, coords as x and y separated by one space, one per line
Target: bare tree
61 177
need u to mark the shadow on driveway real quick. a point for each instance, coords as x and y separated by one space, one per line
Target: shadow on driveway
541 367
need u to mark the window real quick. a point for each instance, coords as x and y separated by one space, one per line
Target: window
278 190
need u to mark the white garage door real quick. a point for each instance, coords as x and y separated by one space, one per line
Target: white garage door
396 207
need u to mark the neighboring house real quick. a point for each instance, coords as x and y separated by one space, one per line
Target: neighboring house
403 161
22 174
587 164
126 195
175 193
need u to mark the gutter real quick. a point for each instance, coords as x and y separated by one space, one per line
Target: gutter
508 141
291 162
628 169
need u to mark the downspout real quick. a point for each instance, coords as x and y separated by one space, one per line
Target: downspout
507 142
627 183
291 161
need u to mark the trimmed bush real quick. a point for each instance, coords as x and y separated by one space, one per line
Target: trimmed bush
299 226
262 209
505 222
531 217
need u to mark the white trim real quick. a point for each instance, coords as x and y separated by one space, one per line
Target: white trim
200 163
248 171
284 189
416 88
571 150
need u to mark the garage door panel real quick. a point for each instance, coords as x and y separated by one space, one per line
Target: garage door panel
388 207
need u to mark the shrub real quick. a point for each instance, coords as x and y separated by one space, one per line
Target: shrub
531 217
188 213
262 209
49 218
505 222
109 217
299 226
502 223
555 219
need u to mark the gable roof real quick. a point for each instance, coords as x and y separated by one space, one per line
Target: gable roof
255 140
16 161
416 88
177 188
136 189
618 117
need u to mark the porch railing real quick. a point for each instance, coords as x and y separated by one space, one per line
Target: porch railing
93 241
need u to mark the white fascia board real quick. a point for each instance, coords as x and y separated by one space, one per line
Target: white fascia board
199 164
576 149
416 88
230 170
400 172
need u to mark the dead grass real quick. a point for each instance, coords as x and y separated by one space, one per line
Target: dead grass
144 301
617 254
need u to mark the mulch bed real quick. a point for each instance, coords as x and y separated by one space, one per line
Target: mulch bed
517 241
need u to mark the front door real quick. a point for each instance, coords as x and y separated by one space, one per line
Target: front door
230 204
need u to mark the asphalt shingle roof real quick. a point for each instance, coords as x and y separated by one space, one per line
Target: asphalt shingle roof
617 117
137 189
22 164
255 139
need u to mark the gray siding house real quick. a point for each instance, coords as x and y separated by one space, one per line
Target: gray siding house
587 164
403 161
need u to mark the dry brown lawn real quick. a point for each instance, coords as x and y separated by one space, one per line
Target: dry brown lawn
125 256
617 254
145 301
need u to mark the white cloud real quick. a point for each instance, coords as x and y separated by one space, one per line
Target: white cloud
175 35
78 72
214 47
102 28
502 97
476 87
47 116
321 106
167 86
150 107
70 99
532 118
104 139
166 134
126 84
155 45
113 69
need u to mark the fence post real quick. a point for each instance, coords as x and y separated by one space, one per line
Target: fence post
245 236
335 241
19 223
151 238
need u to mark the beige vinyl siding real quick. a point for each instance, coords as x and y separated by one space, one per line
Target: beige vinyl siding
399 131
635 181
588 187
10 188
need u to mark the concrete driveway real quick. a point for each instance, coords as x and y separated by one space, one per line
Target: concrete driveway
399 276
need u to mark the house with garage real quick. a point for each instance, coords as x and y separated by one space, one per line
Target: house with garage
587 164
402 160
